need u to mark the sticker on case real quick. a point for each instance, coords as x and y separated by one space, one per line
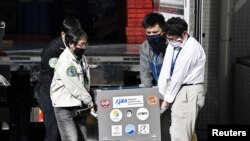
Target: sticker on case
142 113
116 115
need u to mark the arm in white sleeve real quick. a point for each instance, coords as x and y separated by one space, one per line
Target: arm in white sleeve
179 74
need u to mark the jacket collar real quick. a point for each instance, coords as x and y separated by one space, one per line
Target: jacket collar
71 55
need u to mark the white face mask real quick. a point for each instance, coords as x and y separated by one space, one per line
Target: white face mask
175 43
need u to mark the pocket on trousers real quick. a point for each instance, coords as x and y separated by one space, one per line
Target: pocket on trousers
180 105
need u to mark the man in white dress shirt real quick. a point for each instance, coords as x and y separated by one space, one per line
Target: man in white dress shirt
181 79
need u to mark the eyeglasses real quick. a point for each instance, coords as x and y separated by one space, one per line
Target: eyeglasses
82 45
175 37
171 38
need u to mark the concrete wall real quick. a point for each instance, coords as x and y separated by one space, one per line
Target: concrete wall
210 42
239 46
240 29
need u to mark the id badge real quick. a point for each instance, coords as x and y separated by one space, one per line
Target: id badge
168 81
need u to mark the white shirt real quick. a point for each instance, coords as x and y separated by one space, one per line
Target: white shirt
189 68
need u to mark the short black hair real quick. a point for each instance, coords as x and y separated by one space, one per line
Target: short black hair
75 36
176 26
70 24
152 19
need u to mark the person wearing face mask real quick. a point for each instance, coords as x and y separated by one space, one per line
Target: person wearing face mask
181 79
49 57
70 88
153 49
151 58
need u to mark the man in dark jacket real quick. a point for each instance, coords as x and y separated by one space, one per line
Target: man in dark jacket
49 57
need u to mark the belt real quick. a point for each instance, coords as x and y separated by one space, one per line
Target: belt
191 84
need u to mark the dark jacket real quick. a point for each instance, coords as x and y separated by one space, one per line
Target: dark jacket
49 57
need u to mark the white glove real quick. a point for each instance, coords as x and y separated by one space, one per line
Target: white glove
93 114
164 106
163 110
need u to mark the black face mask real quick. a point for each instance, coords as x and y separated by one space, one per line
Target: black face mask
157 43
79 52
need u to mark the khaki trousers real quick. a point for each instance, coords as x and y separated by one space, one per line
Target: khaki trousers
188 102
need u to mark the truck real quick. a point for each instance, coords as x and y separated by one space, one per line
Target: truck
113 53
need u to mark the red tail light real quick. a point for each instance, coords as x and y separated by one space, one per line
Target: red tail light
40 116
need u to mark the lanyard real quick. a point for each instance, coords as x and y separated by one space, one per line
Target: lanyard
155 62
83 67
174 59
85 78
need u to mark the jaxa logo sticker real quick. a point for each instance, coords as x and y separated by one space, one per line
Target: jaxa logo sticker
116 115
142 113
143 128
52 62
71 71
104 103
130 129
152 100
